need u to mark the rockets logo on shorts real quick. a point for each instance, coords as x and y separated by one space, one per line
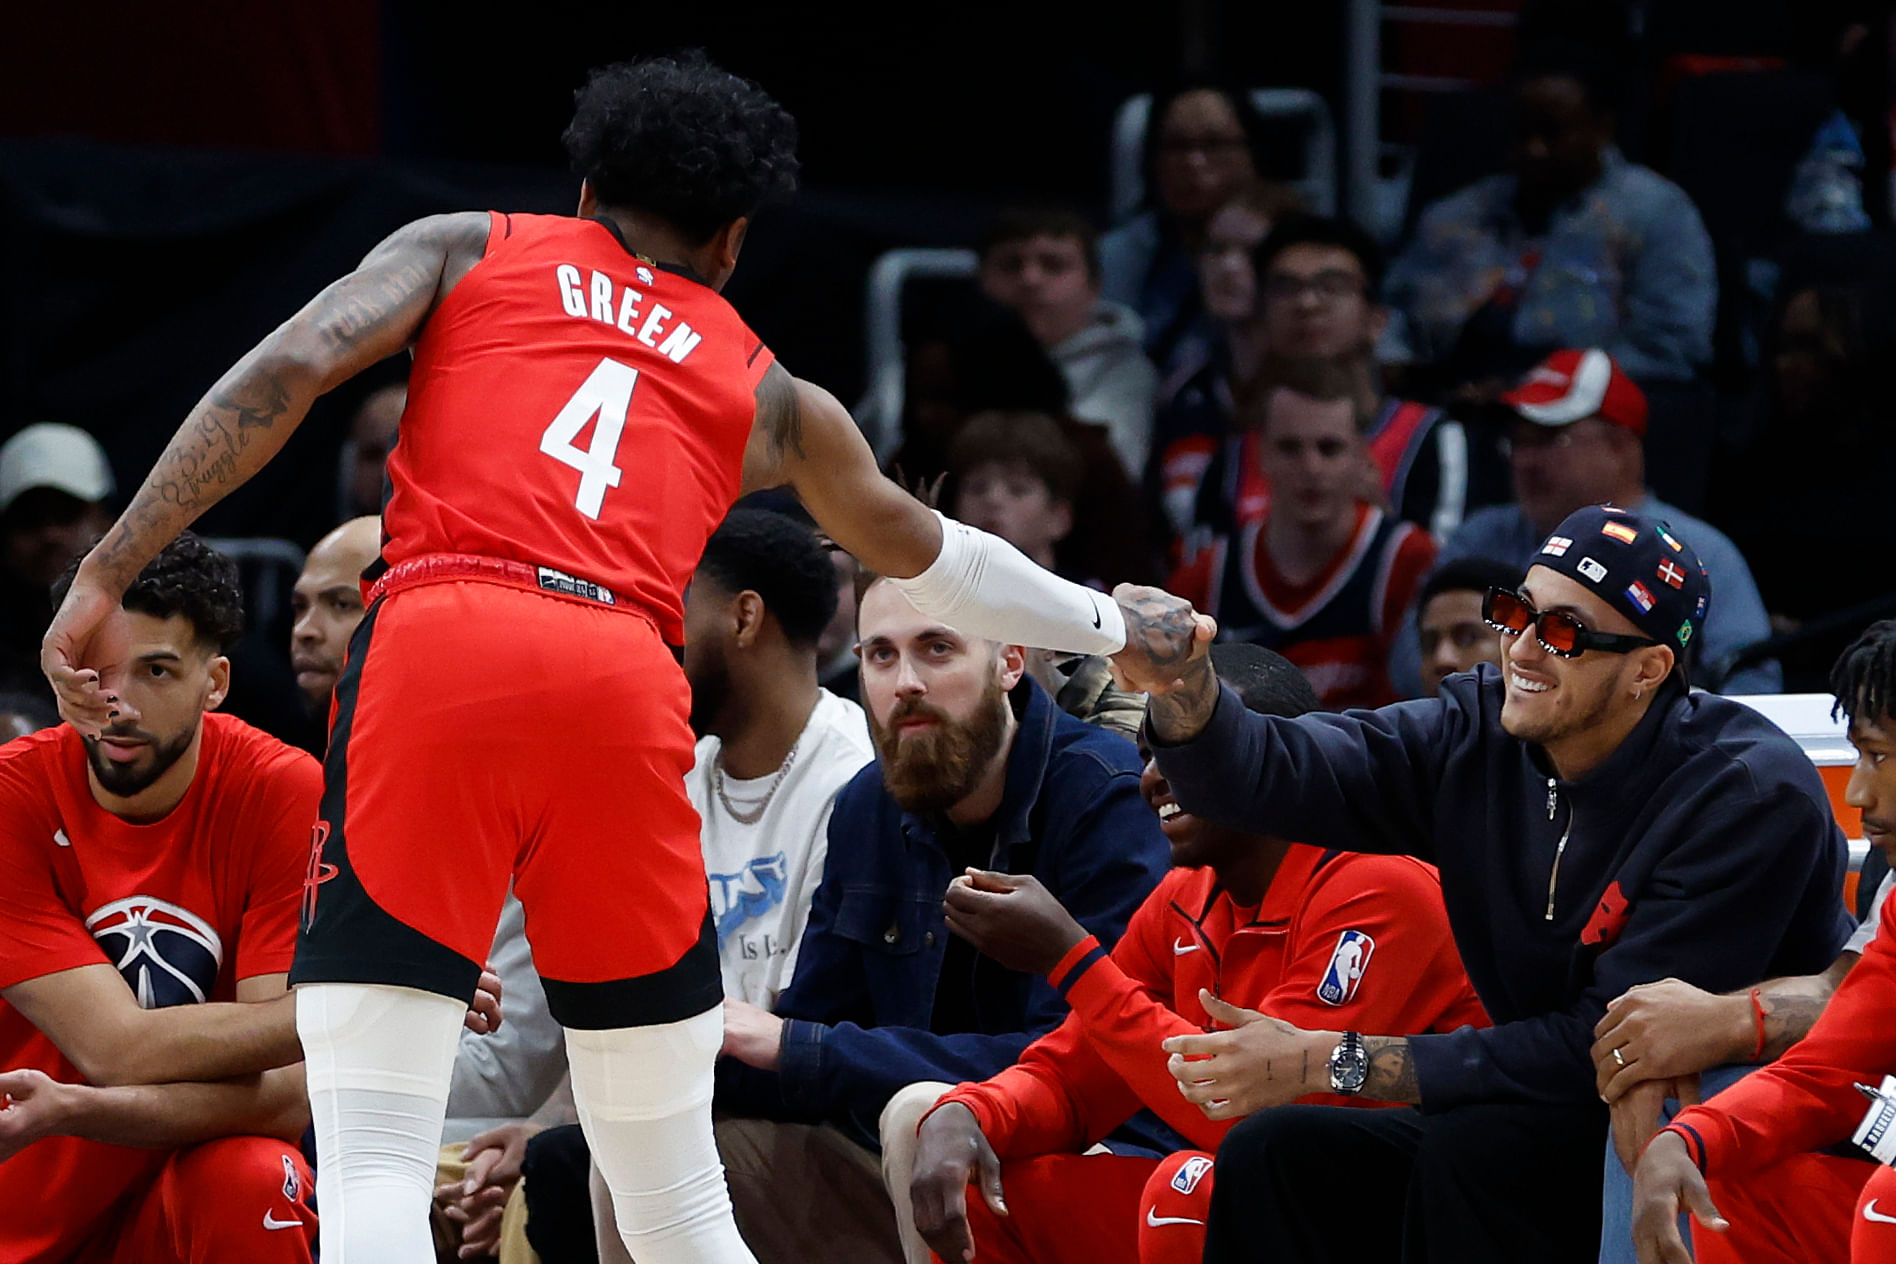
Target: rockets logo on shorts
1347 964
1192 1171
166 954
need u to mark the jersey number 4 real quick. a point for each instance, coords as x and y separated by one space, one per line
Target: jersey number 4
606 394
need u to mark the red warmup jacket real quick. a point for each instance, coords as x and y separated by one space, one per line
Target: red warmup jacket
1341 942
1806 1100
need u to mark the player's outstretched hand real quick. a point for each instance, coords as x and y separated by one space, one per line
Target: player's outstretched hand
1262 1061
1665 1180
949 1152
70 655
1166 640
483 1012
1012 918
32 1106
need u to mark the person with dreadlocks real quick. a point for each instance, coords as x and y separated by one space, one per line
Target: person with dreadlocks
1769 1165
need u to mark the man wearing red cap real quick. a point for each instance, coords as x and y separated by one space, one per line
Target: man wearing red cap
1577 437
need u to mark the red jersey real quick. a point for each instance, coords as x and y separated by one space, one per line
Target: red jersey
575 407
1807 1099
184 907
1341 941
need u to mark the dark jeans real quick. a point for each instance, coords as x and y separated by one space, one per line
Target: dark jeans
1342 1185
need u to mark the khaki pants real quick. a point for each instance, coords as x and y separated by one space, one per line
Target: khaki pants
805 1192
513 1249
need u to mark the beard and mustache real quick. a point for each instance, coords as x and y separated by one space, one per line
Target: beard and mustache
126 780
931 770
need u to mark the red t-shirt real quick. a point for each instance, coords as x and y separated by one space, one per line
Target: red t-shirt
1340 942
575 407
185 907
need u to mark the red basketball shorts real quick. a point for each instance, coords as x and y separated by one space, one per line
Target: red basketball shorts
486 731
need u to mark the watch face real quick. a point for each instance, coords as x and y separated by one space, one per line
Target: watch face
1349 1065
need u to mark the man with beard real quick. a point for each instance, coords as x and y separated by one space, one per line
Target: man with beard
975 768
149 885
326 605
1596 826
1294 931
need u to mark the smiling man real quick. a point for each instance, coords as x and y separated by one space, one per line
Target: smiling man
1595 825
1760 1146
1294 931
327 605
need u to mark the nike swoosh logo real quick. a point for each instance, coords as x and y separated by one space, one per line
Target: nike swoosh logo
1180 947
271 1222
1096 622
1154 1219
1870 1213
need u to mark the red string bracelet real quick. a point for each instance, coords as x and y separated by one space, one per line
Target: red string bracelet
1757 1014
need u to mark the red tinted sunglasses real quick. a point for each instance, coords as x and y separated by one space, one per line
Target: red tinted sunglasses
1558 633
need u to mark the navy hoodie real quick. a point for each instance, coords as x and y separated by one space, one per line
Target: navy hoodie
1702 849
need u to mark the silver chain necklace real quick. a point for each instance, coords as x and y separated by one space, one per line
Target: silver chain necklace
756 814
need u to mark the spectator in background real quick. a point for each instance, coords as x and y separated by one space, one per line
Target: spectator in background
836 666
23 713
1317 281
1449 627
1574 246
980 357
326 604
1577 438
974 767
1215 367
54 485
1312 569
1016 475
1045 265
1201 146
365 451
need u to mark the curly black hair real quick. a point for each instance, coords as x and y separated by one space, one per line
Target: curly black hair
779 559
1864 678
1264 680
188 578
682 139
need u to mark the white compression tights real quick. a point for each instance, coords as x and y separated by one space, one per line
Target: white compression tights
644 1098
378 1061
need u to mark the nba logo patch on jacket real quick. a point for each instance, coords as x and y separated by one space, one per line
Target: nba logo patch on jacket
1347 963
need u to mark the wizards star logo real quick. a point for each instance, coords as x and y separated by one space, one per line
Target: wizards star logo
167 955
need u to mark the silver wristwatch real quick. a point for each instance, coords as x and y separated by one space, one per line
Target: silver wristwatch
1349 1065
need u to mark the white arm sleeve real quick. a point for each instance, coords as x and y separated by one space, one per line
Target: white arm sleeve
983 586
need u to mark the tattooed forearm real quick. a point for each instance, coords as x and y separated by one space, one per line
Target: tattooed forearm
1391 1070
1787 1020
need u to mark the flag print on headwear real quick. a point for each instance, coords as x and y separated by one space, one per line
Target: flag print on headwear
1640 596
1557 546
1620 531
1672 573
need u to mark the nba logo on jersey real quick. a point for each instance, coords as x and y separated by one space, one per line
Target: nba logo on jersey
1190 1173
168 955
1347 964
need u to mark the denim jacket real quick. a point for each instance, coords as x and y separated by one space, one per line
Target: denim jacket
861 1000
1625 264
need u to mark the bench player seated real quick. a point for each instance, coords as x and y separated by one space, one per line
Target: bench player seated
150 880
1245 920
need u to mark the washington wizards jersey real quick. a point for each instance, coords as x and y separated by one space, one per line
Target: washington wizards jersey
1338 627
577 407
182 908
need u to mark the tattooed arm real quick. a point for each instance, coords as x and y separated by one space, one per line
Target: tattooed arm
1168 656
1391 1071
250 413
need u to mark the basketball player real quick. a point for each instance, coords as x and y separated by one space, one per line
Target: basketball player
583 409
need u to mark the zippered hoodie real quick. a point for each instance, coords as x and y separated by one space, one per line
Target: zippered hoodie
1702 849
